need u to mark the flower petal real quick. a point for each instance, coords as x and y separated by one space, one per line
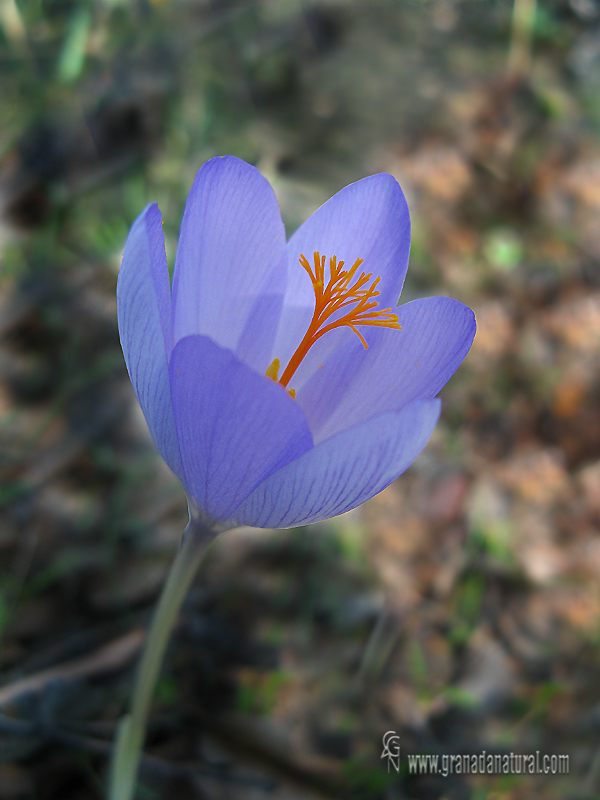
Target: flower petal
230 268
342 472
368 219
144 315
234 427
400 366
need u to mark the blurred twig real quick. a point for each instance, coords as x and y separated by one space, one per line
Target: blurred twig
12 24
519 54
110 657
257 738
149 764
379 647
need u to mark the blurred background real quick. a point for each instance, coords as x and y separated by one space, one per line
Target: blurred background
460 608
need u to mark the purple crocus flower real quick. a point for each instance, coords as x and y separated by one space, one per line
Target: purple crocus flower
356 400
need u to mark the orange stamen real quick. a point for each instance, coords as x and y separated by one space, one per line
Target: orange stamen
341 290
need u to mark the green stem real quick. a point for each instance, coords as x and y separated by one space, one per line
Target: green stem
197 537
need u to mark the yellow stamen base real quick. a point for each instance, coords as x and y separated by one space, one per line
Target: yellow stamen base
273 373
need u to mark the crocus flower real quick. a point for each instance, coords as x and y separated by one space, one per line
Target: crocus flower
279 382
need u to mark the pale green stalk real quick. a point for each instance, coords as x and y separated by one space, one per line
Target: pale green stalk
523 20
131 733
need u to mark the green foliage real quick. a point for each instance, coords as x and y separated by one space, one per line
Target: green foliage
417 665
72 57
492 538
167 690
364 780
503 249
258 693
467 603
460 698
5 614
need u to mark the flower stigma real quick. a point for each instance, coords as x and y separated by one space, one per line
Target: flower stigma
341 290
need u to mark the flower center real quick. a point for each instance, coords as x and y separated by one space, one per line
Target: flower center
341 290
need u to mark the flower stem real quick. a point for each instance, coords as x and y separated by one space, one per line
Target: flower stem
131 732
